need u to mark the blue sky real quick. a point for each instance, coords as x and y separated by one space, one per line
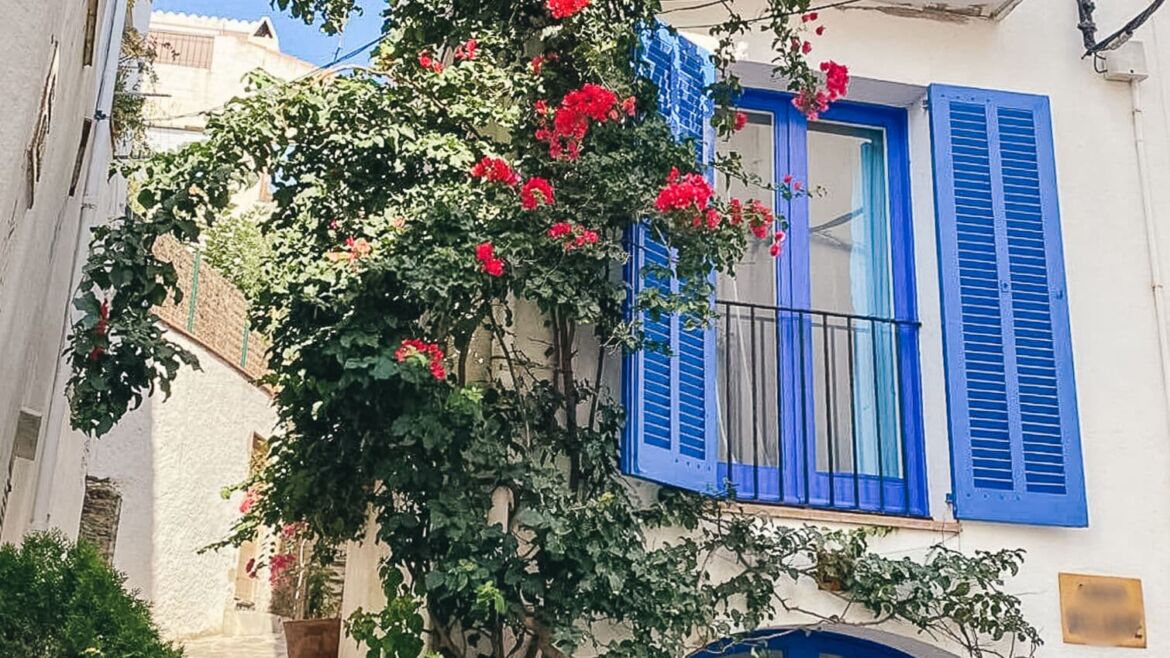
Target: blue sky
296 38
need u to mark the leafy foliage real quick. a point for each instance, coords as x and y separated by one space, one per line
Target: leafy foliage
497 488
236 247
62 600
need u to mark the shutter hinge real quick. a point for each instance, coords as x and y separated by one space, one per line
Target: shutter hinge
926 103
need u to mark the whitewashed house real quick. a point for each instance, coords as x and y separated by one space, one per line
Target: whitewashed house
58 81
965 339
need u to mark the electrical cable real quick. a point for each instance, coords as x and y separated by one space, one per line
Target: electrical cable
1119 37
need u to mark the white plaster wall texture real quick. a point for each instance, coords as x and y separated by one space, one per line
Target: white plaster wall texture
1036 49
39 246
171 459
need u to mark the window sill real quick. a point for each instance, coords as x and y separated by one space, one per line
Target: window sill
848 518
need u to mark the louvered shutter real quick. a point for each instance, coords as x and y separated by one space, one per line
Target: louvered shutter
1015 434
671 429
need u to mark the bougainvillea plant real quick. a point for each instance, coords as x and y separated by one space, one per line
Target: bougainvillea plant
446 247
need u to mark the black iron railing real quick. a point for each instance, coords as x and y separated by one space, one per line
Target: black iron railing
819 409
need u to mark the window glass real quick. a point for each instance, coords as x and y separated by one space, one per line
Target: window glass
850 273
747 345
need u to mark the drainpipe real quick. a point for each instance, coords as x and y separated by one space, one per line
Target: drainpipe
96 176
1157 284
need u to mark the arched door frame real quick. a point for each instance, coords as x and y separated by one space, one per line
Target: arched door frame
840 640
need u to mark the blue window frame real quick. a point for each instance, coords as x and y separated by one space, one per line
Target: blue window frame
820 401
783 422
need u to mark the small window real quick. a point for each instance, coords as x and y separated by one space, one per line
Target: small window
79 161
91 21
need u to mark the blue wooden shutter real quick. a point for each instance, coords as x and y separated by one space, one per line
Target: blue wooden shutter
671 431
1015 435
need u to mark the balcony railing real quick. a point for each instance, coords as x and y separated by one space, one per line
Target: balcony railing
819 409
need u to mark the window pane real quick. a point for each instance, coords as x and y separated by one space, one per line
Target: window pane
851 273
747 337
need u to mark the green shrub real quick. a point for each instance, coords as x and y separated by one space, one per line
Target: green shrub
61 600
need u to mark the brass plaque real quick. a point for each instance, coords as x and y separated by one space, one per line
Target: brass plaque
1102 611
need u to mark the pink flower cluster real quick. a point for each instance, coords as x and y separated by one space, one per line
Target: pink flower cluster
565 8
813 103
532 187
689 192
280 563
592 103
428 62
572 236
355 249
466 51
495 170
434 355
251 497
485 253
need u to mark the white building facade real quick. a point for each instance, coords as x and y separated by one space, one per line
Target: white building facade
58 81
964 340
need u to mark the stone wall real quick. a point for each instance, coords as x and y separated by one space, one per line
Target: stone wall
100 513
212 311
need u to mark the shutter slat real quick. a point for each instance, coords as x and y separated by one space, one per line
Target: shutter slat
1011 393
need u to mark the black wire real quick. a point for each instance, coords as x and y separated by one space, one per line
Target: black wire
1121 36
831 5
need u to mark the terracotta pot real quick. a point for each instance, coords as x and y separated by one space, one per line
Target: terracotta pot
312 638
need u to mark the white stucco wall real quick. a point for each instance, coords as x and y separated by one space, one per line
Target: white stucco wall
41 247
1037 49
170 460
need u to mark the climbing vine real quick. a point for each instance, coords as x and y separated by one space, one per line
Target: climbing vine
441 288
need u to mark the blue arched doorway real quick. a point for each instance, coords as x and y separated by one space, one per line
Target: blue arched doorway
841 642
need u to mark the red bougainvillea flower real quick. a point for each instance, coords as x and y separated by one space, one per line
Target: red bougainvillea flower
573 236
836 79
103 323
570 122
431 352
536 64
759 218
809 17
429 63
96 353
811 104
630 106
565 8
820 30
291 530
736 212
689 192
466 51
485 253
532 187
560 230
355 249
495 170
806 47
787 179
278 565
250 567
741 119
777 242
251 496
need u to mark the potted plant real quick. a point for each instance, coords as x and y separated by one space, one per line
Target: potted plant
306 592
